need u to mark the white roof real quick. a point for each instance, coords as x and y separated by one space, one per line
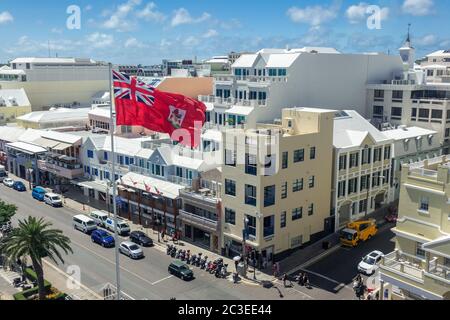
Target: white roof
18 95
187 162
408 133
12 71
168 189
61 137
56 115
52 60
351 129
145 153
223 60
440 53
124 146
434 66
11 134
101 112
245 61
240 110
282 60
30 135
27 147
214 135
102 95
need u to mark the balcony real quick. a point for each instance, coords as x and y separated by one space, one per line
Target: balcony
199 221
61 169
227 102
200 198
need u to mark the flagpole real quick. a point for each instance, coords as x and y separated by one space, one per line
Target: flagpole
114 182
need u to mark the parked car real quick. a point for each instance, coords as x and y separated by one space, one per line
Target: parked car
3 173
19 186
100 218
131 250
122 227
53 199
38 193
103 238
84 224
180 269
141 238
369 264
8 182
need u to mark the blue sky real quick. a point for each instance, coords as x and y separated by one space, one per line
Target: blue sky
141 31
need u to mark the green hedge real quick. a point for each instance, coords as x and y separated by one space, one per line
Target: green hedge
31 276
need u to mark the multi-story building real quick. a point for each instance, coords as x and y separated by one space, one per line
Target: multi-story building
361 170
419 268
263 83
277 185
55 118
410 144
437 66
13 103
53 81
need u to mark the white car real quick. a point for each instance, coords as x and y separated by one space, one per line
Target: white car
369 264
122 227
53 199
8 182
131 250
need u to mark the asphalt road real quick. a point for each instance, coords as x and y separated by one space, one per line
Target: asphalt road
142 279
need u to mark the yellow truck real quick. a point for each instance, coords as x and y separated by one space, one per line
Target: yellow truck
358 231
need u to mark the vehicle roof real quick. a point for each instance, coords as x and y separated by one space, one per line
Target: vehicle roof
84 218
100 213
351 231
128 243
139 233
39 189
19 182
375 253
52 195
178 263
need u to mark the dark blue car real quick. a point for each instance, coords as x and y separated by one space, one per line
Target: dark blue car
19 186
103 238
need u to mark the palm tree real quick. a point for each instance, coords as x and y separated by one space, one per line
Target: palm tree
34 239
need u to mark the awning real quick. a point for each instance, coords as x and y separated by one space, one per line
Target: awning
46 143
151 185
240 111
94 185
61 146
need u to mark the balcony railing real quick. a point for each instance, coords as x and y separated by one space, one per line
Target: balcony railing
404 264
69 171
233 101
200 221
199 198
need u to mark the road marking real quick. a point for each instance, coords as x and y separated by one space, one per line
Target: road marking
298 291
159 281
340 284
315 259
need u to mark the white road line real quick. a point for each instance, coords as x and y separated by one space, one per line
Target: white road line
329 279
159 281
298 291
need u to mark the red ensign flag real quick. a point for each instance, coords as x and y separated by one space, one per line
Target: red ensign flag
138 104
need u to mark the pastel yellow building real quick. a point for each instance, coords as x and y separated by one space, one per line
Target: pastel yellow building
277 184
419 268
13 103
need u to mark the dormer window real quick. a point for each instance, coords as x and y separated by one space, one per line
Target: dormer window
406 144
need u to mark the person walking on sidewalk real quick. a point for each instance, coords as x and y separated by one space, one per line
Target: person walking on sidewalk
285 280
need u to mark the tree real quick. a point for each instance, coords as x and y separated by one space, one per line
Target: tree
7 211
34 239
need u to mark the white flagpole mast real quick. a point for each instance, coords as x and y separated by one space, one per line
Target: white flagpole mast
113 180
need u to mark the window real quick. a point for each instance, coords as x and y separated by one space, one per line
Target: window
424 113
285 160
299 155
376 179
354 160
414 113
430 73
230 187
378 111
343 162
283 220
179 172
396 112
436 114
251 226
312 153
377 154
269 196
312 181
297 213
363 205
311 209
105 155
250 195
419 251
269 226
284 190
297 185
90 154
364 182
230 216
379 94
352 185
250 164
270 165
297 241
424 204
230 158
397 95
387 152
366 156
341 189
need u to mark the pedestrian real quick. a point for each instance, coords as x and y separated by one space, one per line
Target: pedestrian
274 270
306 281
285 280
300 279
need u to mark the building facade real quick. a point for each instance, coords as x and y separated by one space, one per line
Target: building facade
13 103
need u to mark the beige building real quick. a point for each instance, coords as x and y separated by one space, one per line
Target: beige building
419 268
13 103
276 184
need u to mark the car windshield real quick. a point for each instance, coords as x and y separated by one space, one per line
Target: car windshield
90 223
347 236
369 260
105 235
55 198
134 247
122 225
184 267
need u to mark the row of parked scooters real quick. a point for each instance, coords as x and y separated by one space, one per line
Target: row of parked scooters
216 267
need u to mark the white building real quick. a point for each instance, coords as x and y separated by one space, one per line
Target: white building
13 103
55 118
263 83
56 81
437 66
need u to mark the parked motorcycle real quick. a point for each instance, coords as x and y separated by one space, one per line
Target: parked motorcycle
179 253
204 263
173 253
169 249
199 260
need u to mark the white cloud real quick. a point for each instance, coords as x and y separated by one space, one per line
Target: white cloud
211 33
191 41
88 8
313 15
134 43
418 7
100 40
6 17
119 19
150 14
358 13
427 40
182 16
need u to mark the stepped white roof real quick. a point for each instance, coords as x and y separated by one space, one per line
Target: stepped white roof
408 133
18 95
440 53
53 60
11 134
56 115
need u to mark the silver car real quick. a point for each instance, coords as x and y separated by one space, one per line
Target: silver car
131 250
